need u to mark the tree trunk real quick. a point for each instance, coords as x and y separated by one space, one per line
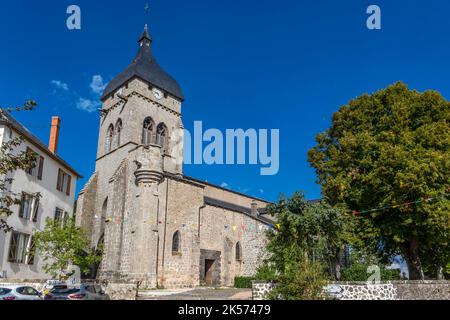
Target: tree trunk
410 250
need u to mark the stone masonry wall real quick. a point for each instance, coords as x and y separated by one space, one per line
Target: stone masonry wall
222 229
395 290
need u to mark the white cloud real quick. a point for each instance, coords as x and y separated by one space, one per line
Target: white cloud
60 85
224 185
88 105
97 85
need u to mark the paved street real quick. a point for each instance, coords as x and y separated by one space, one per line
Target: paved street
197 294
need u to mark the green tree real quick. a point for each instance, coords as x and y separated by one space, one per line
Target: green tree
62 244
307 229
10 161
388 148
303 247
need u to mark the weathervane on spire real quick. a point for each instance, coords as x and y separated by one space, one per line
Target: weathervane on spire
146 9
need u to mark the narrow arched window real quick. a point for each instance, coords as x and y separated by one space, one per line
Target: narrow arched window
103 215
238 252
176 242
109 139
148 133
118 132
161 136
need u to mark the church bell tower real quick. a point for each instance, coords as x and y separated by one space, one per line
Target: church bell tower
140 143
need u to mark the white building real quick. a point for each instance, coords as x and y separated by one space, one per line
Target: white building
53 179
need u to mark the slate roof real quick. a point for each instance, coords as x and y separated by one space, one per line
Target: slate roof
8 120
236 208
145 67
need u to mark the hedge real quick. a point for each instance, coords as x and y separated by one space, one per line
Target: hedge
243 282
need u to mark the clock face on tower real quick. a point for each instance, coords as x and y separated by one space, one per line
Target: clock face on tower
158 94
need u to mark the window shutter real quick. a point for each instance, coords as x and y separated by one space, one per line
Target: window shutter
41 167
12 256
56 217
69 182
29 170
22 202
35 209
30 251
58 182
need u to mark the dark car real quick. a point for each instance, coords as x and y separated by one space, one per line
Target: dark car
82 292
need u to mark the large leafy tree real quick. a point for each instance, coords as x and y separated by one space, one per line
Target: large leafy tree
386 149
62 244
12 160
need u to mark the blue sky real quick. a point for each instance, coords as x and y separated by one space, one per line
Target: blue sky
280 64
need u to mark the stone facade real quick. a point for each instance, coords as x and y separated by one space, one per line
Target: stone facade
138 199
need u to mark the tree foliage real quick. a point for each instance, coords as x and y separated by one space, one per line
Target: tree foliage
64 244
305 229
359 266
12 160
388 148
304 247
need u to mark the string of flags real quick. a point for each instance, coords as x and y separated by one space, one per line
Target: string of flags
234 228
396 206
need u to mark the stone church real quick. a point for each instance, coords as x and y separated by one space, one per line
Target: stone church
155 224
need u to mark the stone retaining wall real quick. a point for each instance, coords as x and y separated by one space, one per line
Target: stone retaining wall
261 288
394 290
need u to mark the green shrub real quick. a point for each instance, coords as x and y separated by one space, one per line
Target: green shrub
303 280
358 272
243 282
265 272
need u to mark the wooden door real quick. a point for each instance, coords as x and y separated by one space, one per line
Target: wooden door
209 264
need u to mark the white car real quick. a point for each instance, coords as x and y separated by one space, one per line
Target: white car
19 293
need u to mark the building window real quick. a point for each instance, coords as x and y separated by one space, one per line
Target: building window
61 217
161 136
36 171
176 243
29 206
21 248
238 252
148 133
64 182
109 139
118 132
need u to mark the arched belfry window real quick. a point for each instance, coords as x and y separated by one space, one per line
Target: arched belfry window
161 135
109 139
118 132
238 252
148 132
176 243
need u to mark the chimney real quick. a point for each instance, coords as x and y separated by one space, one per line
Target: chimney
54 134
254 207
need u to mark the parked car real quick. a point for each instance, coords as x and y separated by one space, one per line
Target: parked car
82 292
53 284
19 293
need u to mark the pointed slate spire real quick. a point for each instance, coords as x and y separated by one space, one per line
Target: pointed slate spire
145 67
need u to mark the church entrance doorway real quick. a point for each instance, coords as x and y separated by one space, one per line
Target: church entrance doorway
210 265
